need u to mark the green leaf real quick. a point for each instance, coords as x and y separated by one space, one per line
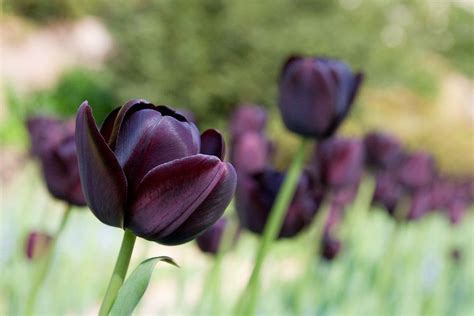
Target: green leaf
134 287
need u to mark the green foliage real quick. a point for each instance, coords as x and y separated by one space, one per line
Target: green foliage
209 55
135 286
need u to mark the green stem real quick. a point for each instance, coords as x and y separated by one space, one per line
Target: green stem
247 302
120 270
45 265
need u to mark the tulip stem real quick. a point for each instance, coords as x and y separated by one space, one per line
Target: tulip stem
120 270
45 265
247 302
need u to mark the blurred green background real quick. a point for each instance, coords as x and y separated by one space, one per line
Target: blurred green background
208 56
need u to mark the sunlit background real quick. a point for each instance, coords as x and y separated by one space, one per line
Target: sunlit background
208 56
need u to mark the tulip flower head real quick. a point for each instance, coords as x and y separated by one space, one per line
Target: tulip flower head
210 240
37 244
148 170
388 191
248 118
52 142
383 151
339 162
255 196
316 94
417 170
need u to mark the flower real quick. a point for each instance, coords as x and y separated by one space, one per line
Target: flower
316 94
52 142
420 204
388 192
417 170
339 162
247 118
251 153
210 240
37 244
148 170
383 151
255 196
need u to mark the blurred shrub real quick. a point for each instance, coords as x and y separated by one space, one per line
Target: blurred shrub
63 100
211 54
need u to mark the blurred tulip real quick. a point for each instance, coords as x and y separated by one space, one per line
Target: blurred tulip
420 205
250 153
388 191
255 196
52 142
146 170
37 244
330 247
417 170
247 118
383 151
210 240
456 210
316 94
339 162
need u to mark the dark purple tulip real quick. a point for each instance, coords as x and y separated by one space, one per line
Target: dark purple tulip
339 162
388 191
210 240
420 204
255 196
330 247
247 118
316 94
37 244
417 170
344 196
383 151
52 141
456 210
149 170
250 153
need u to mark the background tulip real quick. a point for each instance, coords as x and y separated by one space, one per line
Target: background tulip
37 244
210 240
250 153
145 170
388 191
52 142
316 94
247 118
255 196
383 151
339 162
417 170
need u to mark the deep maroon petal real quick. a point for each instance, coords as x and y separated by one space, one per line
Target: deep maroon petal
103 181
108 124
148 139
171 192
208 212
127 109
212 143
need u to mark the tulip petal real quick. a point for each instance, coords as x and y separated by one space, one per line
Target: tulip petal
108 124
103 181
148 139
171 192
207 213
212 143
129 107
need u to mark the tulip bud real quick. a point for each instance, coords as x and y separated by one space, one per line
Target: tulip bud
420 204
416 171
52 142
383 151
255 196
388 191
37 244
148 170
316 95
247 118
250 153
330 247
339 162
210 240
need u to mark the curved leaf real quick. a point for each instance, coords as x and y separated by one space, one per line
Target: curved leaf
134 287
